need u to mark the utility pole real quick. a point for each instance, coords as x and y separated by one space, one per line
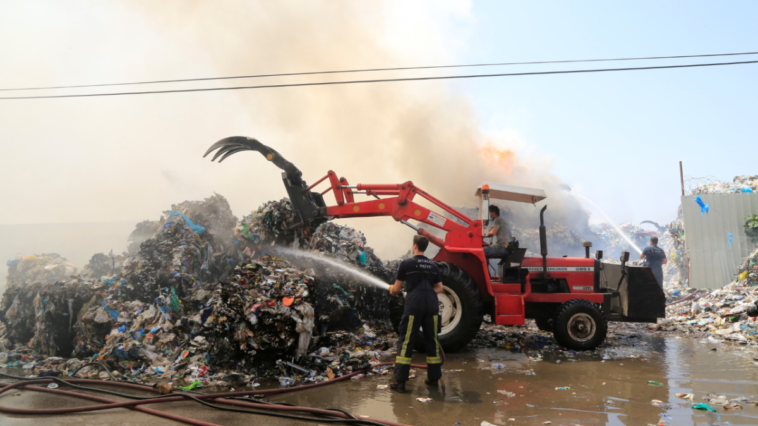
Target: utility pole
681 176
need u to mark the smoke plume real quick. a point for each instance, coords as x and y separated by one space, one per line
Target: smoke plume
127 158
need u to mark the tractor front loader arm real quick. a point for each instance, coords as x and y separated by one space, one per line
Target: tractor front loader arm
394 200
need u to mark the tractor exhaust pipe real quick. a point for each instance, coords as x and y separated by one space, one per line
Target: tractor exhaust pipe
543 243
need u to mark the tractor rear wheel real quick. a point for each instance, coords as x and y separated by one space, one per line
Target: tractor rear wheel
579 325
461 310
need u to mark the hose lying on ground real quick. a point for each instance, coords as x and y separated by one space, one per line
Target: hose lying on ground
228 398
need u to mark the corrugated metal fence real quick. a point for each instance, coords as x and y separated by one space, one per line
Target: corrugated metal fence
713 264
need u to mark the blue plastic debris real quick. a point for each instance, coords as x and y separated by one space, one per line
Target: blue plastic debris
195 228
112 312
730 240
703 207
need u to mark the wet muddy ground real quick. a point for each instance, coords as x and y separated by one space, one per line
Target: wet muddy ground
609 387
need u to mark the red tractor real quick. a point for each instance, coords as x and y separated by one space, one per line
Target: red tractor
572 297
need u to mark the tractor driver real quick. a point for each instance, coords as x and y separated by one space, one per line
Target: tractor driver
422 283
499 230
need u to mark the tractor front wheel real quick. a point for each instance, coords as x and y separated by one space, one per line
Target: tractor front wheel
461 308
579 325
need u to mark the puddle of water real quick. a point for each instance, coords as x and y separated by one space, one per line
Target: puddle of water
612 391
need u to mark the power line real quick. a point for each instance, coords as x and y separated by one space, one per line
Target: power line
377 69
333 83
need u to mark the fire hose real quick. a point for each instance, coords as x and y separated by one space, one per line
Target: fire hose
239 399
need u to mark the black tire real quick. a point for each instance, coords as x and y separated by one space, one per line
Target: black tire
544 324
579 325
472 312
472 308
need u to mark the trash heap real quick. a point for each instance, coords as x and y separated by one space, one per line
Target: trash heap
258 324
142 232
721 313
616 242
747 184
182 253
342 299
560 240
260 314
34 268
104 265
608 234
195 304
42 315
676 271
272 224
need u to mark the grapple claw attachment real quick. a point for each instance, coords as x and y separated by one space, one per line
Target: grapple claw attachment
309 205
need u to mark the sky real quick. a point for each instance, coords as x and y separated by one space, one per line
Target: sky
616 138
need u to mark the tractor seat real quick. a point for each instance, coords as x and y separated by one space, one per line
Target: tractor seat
511 256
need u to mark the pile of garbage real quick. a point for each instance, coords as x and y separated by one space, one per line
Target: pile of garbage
722 313
182 253
272 224
345 301
560 240
142 232
35 268
201 303
260 314
43 315
615 241
676 271
747 184
104 265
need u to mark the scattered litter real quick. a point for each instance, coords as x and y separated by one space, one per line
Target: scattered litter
564 388
423 399
687 396
52 386
704 406
716 399
654 383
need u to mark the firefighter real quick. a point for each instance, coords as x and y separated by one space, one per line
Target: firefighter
422 284
655 258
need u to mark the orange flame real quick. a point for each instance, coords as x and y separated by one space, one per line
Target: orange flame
505 158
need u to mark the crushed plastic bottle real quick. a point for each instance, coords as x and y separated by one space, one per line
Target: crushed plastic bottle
286 381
